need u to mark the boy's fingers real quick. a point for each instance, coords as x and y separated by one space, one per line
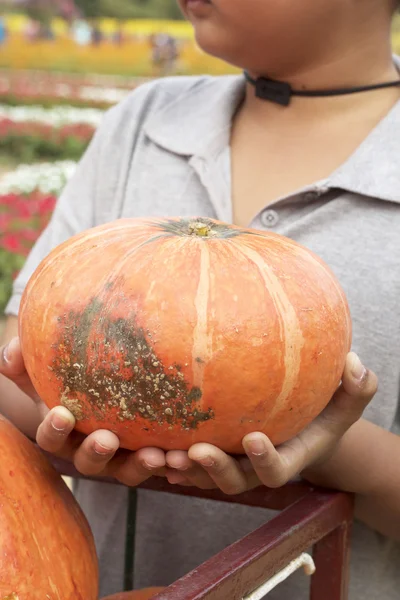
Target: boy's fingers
12 366
271 468
179 459
95 452
359 386
152 459
182 470
318 440
53 432
358 381
132 468
223 469
11 358
274 467
196 476
176 477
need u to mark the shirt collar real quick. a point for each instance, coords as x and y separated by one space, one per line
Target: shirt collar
373 169
197 122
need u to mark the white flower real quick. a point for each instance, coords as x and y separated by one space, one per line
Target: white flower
49 178
56 117
108 95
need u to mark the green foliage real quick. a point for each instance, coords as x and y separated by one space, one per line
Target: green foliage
9 265
90 8
130 9
12 100
28 148
40 10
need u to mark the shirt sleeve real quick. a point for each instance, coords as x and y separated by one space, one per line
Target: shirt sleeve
74 212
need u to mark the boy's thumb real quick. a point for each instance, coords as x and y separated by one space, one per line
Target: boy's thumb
11 361
12 366
359 385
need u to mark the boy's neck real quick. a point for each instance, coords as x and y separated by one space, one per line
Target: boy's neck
364 66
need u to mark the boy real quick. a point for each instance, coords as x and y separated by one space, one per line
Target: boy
321 169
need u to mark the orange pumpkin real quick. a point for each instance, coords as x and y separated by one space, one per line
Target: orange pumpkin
137 595
170 332
46 547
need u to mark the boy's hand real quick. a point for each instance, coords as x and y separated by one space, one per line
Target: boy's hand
207 467
96 454
204 466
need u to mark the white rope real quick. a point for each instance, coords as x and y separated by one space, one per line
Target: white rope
304 560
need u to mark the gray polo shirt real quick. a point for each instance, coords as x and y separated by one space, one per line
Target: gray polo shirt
165 152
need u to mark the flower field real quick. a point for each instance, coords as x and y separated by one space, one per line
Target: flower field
27 199
30 141
45 178
39 133
47 89
57 116
20 225
45 117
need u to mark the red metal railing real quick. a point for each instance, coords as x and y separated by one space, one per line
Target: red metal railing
308 517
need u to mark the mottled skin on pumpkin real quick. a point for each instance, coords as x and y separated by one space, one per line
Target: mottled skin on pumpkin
128 377
171 332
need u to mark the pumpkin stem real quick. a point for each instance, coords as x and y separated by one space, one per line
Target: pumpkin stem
200 228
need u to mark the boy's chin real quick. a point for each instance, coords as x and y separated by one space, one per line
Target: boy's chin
211 40
220 51
276 62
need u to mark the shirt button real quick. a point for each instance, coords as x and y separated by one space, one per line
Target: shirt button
269 218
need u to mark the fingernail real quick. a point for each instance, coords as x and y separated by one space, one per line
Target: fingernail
5 355
179 469
176 478
8 350
149 466
358 370
61 422
255 447
101 449
206 461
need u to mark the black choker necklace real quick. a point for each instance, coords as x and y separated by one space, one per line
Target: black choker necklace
281 92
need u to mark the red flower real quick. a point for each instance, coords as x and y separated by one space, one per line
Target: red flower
22 220
46 205
9 200
81 131
5 220
23 210
11 243
28 235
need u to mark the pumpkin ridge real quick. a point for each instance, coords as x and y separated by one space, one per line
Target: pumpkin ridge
121 265
316 262
202 338
291 335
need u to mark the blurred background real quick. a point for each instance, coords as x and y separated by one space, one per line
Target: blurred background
62 64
